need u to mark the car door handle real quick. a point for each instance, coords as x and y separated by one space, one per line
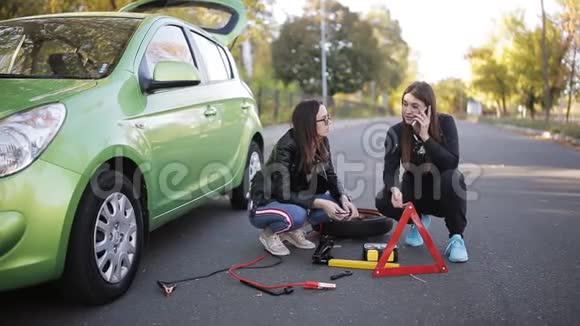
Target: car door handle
246 106
210 111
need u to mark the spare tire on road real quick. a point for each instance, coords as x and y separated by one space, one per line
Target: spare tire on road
372 224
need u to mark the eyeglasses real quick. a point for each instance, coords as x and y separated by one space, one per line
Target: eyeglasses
326 120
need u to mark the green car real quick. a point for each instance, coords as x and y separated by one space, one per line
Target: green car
112 124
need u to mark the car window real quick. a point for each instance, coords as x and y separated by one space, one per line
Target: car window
63 47
212 57
168 44
226 61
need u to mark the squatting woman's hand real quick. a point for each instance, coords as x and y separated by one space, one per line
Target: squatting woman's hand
332 209
396 197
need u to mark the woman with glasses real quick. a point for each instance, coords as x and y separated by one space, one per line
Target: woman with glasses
298 183
426 146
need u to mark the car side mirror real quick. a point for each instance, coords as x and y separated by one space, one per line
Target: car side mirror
171 74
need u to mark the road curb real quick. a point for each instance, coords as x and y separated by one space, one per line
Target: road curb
542 133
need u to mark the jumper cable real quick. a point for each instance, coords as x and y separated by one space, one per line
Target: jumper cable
287 288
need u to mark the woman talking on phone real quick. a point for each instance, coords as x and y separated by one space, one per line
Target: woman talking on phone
298 183
425 144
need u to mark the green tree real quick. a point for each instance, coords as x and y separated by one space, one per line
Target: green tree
20 8
569 19
512 63
524 58
409 77
259 34
352 50
573 89
521 55
547 96
451 96
491 76
393 50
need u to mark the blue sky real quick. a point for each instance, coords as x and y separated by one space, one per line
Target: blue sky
439 32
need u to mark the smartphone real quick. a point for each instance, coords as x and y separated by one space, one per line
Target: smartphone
425 112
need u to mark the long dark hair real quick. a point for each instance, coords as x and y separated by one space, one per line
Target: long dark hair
311 147
423 92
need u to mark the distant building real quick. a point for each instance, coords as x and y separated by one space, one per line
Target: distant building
474 108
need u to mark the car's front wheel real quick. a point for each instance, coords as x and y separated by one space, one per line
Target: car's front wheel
106 240
240 195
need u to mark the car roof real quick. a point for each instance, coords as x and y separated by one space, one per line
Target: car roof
85 14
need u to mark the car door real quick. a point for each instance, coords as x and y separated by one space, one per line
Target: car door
225 131
223 20
176 124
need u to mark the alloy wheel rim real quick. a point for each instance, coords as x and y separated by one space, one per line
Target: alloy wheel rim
115 238
254 166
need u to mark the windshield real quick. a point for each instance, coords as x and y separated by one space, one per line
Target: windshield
63 47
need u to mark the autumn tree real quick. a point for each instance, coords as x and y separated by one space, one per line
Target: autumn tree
451 95
491 76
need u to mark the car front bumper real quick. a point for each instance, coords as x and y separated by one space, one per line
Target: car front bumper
34 204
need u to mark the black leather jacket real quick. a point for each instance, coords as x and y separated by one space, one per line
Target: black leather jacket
282 180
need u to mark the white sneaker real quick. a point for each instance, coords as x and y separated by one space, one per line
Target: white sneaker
297 239
272 243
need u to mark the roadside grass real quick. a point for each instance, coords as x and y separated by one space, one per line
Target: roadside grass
571 129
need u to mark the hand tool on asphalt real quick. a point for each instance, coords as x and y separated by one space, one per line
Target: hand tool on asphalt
340 275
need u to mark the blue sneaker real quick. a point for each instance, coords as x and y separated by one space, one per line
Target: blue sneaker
456 249
413 238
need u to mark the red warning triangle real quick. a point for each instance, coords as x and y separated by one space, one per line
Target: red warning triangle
439 267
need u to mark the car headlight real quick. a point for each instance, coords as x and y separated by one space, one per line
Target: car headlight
25 135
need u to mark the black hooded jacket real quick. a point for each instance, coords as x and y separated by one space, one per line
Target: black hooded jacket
444 155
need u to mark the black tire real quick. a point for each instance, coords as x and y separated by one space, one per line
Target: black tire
82 276
373 224
240 195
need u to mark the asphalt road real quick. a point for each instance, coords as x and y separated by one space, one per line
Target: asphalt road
523 239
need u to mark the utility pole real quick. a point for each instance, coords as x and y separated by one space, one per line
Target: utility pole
323 51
